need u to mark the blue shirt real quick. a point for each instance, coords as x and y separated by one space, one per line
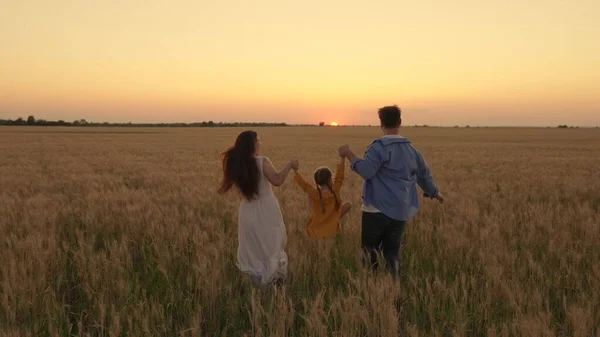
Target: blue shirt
392 169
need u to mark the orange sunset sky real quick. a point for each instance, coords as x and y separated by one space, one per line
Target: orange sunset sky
444 62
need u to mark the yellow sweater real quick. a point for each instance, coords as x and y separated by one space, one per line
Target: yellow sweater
323 225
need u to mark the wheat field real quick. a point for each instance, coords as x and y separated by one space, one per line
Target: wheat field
120 232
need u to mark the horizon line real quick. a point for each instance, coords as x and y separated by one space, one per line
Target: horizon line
210 123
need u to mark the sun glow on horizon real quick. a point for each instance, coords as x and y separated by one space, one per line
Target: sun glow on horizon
490 63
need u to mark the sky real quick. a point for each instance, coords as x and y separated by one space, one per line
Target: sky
444 63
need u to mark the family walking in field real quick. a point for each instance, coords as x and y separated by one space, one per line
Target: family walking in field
391 168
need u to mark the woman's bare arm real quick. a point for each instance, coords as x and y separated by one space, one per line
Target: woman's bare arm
276 178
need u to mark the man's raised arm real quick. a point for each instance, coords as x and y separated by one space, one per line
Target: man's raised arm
366 167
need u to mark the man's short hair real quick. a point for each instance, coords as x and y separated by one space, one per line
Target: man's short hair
390 116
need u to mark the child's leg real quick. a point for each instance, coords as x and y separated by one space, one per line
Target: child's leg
346 207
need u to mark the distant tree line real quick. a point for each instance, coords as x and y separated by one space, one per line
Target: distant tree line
31 121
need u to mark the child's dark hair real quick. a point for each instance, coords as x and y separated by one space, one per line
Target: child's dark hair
323 177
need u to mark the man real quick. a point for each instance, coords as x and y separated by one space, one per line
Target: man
391 169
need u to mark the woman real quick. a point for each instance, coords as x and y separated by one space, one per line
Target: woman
261 231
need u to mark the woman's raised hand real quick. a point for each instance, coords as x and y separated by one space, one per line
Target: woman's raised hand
295 164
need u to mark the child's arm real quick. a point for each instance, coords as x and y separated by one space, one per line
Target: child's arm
305 186
340 174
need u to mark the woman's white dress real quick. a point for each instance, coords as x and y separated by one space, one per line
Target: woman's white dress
262 235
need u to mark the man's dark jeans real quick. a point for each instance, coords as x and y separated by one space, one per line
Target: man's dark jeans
382 234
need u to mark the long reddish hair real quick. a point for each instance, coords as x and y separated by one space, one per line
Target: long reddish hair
239 166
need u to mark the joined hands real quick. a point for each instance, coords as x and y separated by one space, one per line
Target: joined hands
294 164
344 151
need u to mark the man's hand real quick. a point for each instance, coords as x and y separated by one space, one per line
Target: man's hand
295 165
344 150
440 197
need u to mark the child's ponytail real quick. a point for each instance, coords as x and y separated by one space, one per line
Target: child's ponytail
337 202
321 198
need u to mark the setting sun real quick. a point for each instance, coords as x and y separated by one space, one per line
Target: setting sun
334 124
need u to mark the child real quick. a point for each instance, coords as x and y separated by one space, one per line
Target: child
326 205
